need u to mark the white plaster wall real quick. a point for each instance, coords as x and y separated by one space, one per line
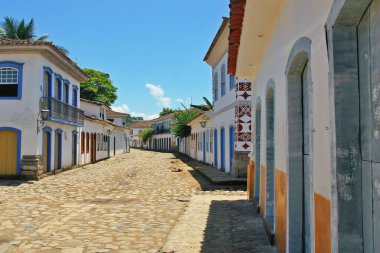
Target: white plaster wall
299 18
90 109
226 120
230 95
23 113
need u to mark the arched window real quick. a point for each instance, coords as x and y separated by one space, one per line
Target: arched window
223 80
66 85
10 80
75 96
215 86
58 87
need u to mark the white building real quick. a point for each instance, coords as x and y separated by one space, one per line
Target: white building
42 127
231 108
163 139
136 128
100 138
35 75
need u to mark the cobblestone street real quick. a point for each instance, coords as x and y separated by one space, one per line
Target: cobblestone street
137 202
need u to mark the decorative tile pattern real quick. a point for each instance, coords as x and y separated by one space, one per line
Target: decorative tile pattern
243 116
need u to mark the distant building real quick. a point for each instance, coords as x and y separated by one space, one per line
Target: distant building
44 126
135 130
163 139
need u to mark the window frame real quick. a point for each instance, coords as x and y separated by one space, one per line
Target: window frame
66 84
19 67
232 81
74 96
58 77
223 80
215 86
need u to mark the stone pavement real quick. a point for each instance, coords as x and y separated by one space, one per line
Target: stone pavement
128 203
214 175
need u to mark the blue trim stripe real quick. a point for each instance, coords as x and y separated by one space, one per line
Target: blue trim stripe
48 130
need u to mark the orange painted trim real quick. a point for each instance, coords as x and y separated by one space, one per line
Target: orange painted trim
322 224
250 179
262 190
280 194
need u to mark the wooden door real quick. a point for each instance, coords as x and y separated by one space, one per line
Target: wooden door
8 152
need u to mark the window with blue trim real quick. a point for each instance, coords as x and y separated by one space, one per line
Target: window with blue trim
232 82
75 96
215 87
58 87
66 92
10 80
223 80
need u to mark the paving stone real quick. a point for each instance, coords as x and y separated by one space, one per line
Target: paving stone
129 203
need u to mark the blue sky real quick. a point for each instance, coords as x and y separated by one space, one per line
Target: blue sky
152 49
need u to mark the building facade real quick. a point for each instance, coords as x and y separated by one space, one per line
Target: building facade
136 129
314 172
227 125
44 128
163 139
36 76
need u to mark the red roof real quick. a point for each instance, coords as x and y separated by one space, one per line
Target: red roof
237 8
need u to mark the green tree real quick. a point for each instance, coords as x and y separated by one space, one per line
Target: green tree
166 111
179 127
146 134
98 88
207 107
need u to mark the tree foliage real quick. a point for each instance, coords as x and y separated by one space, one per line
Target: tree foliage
166 111
182 118
207 107
146 134
15 30
98 88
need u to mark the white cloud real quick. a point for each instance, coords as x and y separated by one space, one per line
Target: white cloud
122 108
159 94
179 100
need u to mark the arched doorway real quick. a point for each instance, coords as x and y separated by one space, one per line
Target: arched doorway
269 201
222 149
216 147
46 149
58 150
355 87
232 145
256 190
299 171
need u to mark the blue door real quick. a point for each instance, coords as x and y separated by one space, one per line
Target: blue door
222 149
216 148
204 146
232 141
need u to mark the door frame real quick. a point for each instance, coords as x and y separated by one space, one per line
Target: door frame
75 148
18 132
58 132
223 149
232 144
48 130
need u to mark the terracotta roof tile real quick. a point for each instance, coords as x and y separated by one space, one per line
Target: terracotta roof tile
114 113
38 43
237 9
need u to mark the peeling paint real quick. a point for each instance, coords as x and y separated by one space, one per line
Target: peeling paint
376 186
345 189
